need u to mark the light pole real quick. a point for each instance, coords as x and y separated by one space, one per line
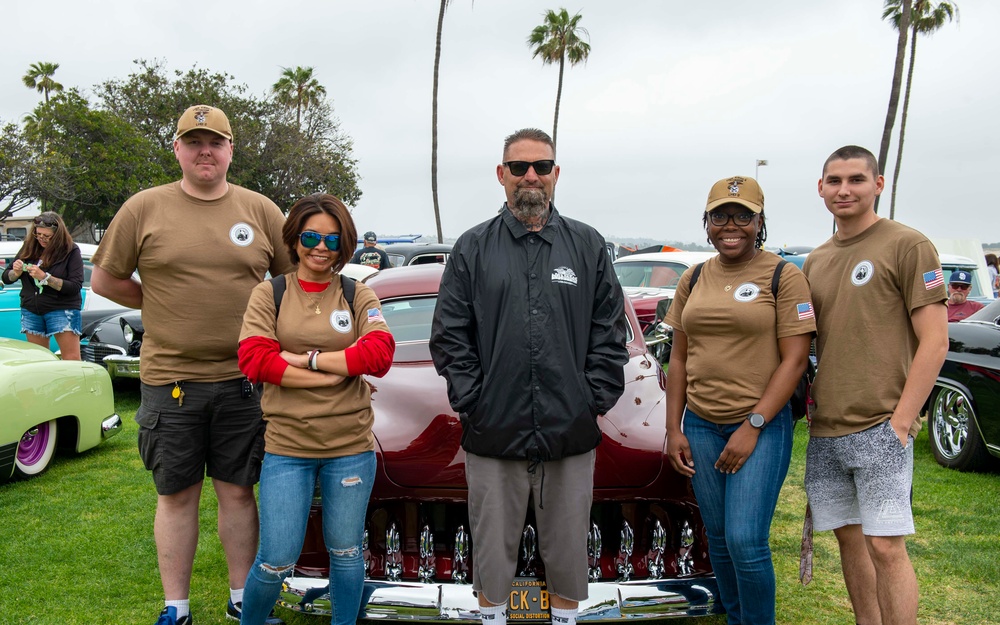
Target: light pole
760 163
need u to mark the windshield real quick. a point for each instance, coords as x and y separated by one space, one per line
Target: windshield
663 275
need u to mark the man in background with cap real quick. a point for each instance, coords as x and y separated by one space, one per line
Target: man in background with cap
200 245
959 305
371 255
882 335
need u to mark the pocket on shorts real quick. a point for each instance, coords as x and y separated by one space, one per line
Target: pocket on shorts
148 436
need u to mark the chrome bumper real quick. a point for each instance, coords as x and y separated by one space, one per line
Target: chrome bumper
455 603
121 366
111 426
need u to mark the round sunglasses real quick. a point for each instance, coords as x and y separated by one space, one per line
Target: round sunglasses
310 239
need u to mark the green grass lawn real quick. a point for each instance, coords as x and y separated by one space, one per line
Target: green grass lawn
76 545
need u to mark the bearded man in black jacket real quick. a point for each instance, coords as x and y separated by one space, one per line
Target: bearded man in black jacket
529 332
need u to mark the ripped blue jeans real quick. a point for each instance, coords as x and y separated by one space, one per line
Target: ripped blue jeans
286 492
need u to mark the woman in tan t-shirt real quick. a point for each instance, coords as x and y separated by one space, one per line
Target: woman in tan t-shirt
738 353
311 356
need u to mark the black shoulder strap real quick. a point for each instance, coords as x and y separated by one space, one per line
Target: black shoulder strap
694 276
349 286
278 286
775 279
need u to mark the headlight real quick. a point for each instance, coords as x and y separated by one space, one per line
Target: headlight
128 332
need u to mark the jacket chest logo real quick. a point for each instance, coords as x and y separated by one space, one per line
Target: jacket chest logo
565 275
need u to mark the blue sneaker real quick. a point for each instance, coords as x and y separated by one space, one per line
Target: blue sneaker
169 617
235 610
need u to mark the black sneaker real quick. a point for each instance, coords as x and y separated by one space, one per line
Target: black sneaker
235 610
169 617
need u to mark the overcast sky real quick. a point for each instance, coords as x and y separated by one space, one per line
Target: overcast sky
674 97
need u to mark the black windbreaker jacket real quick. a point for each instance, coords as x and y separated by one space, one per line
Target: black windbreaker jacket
529 332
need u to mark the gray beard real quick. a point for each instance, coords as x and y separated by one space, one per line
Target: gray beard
530 206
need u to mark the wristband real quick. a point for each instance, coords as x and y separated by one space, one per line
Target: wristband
311 363
45 281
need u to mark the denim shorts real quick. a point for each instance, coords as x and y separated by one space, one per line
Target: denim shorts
52 323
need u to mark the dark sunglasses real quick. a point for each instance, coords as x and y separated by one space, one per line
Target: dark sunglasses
520 168
38 221
740 219
311 239
961 287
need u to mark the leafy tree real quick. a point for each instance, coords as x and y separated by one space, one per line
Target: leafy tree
272 156
557 40
39 77
925 18
298 89
18 182
93 160
897 79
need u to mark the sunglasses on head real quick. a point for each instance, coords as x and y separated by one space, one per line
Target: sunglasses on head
311 239
720 219
39 221
520 168
961 287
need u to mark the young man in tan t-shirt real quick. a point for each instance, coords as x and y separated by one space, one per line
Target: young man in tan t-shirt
200 245
882 336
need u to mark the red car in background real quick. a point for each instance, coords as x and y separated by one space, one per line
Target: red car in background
647 545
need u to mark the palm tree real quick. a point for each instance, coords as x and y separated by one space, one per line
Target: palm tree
557 40
434 122
897 79
39 77
298 89
925 18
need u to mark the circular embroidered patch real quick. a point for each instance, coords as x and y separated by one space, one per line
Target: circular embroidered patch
241 234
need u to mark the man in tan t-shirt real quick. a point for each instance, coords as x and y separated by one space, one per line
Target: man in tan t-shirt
200 245
878 292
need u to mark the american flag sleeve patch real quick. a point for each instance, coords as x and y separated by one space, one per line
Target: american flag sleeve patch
375 315
805 311
933 279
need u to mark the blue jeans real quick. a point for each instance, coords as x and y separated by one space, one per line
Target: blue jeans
286 492
737 510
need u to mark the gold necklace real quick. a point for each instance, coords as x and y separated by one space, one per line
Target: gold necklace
729 286
315 301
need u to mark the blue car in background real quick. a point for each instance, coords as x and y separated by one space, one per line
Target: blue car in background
94 306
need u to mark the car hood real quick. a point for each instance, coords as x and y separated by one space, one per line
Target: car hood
419 435
14 352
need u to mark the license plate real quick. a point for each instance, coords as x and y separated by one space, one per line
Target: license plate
529 601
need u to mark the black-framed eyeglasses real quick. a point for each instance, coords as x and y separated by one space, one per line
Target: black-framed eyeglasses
40 221
520 168
311 239
720 219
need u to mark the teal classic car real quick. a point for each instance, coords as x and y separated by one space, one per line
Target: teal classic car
49 404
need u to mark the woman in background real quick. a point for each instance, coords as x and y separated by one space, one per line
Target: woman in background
50 268
994 271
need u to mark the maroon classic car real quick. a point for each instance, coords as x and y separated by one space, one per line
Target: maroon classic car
647 544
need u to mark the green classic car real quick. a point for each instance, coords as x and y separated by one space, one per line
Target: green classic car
48 404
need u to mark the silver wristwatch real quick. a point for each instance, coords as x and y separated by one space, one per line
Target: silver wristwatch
756 420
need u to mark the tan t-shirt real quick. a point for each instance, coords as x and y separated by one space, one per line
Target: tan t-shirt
733 336
322 422
198 261
865 288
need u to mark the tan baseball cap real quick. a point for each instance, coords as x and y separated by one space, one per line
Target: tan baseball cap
737 190
204 117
